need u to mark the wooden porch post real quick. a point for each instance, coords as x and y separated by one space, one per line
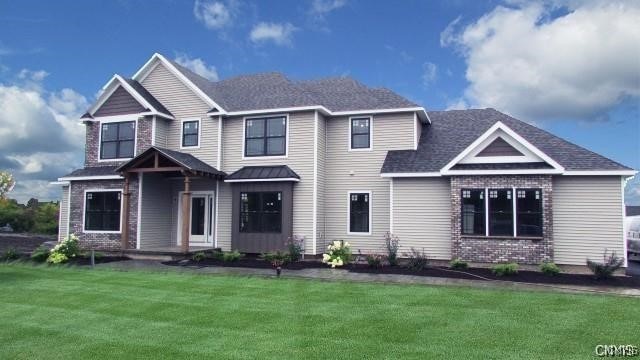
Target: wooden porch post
186 219
125 214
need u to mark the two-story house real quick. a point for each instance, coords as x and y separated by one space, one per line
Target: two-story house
174 161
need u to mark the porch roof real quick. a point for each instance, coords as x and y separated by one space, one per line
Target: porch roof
263 173
157 159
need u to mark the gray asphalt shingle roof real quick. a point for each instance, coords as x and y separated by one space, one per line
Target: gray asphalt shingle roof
187 160
263 172
93 171
274 90
450 132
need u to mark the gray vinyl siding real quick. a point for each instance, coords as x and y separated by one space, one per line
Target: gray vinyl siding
155 218
63 225
587 218
299 159
322 178
161 132
360 171
422 215
119 103
183 104
224 216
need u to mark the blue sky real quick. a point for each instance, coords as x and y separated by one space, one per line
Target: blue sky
551 63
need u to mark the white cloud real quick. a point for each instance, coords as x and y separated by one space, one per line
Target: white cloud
40 136
632 191
577 65
457 104
323 7
198 66
280 34
429 73
213 14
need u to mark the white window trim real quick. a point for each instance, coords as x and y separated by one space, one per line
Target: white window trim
349 232
115 119
182 121
370 148
84 212
265 157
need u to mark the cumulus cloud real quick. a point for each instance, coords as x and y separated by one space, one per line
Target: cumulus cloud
632 191
213 14
429 73
279 34
198 66
576 65
321 8
41 138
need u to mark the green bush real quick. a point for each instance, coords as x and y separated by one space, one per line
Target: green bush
392 243
549 268
199 256
417 260
69 247
505 269
295 249
339 254
458 264
605 269
57 258
10 254
276 258
217 254
232 256
375 260
40 254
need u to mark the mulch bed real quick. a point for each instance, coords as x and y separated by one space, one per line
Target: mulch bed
481 274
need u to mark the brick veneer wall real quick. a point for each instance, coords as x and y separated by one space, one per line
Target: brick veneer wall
92 146
502 249
102 241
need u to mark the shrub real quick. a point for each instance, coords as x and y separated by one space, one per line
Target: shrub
458 264
10 254
549 268
375 260
294 246
276 258
339 253
69 247
199 256
392 244
418 260
505 269
232 256
40 254
608 266
218 255
57 258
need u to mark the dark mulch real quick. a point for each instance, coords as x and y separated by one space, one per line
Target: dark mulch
23 243
481 274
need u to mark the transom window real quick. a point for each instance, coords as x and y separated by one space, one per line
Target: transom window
117 140
102 211
361 133
261 212
265 136
495 214
359 212
190 133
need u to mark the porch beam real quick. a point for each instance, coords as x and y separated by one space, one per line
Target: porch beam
158 169
186 218
125 214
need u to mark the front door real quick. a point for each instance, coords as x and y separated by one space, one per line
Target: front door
201 215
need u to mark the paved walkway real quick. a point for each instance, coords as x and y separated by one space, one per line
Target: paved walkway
342 275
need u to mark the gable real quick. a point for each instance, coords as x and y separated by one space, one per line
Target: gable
499 147
120 102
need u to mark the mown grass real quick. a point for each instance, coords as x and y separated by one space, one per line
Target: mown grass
51 313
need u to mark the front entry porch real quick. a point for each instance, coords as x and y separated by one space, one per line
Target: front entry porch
178 202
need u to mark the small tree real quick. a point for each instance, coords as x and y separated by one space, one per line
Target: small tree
6 183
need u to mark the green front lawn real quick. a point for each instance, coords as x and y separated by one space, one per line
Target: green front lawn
81 313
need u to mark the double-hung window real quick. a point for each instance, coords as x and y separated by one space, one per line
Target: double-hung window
494 211
265 136
190 133
359 212
261 212
117 140
360 129
102 211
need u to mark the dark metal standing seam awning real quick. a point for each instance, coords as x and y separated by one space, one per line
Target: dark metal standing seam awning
263 173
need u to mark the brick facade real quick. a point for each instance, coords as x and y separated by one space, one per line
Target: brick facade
144 126
102 241
502 249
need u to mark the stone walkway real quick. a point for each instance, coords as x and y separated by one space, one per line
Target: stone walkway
342 275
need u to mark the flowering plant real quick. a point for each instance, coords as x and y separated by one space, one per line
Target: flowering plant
339 253
64 250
